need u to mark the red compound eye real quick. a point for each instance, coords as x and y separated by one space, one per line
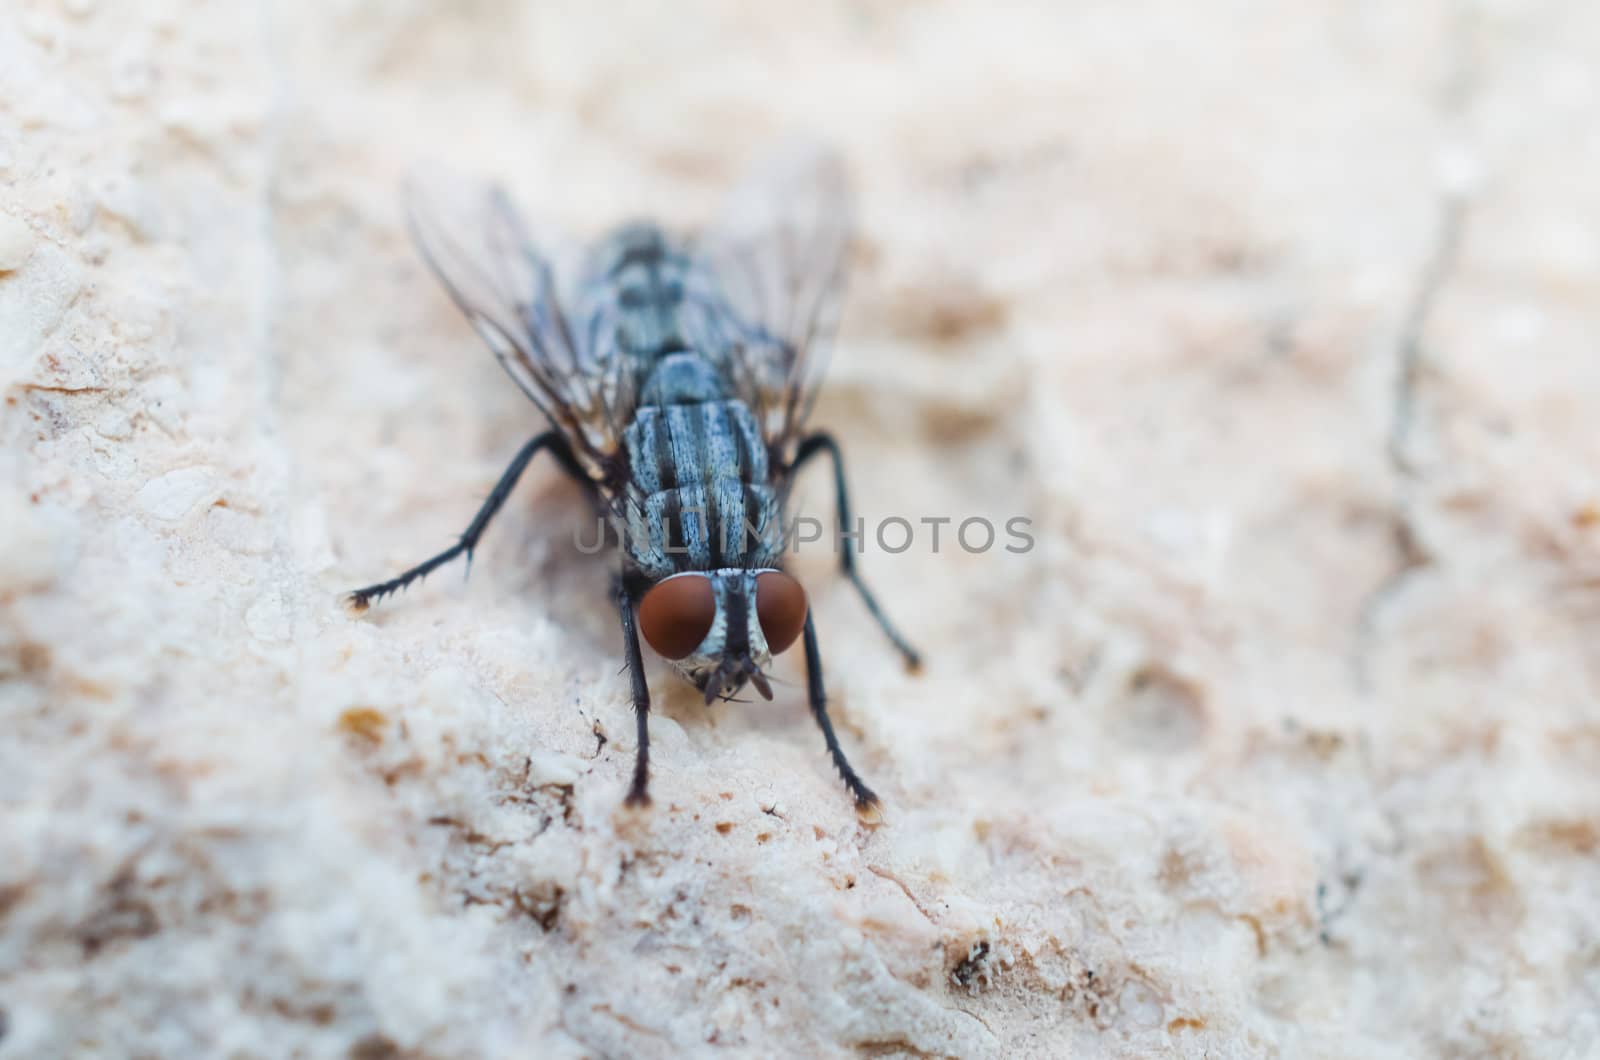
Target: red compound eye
676 614
781 608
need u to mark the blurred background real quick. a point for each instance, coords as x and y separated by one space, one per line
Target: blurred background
1278 320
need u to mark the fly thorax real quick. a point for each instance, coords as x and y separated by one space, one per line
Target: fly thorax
681 379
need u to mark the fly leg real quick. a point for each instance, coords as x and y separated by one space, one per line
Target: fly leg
361 599
638 793
823 442
865 799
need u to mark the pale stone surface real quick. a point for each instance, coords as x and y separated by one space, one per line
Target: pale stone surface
1280 320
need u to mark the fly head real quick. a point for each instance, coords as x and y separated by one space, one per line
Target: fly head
721 628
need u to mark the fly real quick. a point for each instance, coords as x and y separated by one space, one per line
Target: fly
677 378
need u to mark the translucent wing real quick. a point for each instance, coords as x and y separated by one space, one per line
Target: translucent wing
479 247
778 252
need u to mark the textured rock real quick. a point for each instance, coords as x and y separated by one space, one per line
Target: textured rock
1278 320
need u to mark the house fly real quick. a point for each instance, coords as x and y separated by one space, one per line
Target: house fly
677 377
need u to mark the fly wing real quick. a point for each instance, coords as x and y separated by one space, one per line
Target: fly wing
778 254
479 246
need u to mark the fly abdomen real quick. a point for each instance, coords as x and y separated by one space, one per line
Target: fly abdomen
639 282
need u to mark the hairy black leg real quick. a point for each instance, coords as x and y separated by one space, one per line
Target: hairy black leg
823 442
865 799
552 440
638 791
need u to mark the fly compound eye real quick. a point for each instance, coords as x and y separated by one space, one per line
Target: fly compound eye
676 614
781 608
